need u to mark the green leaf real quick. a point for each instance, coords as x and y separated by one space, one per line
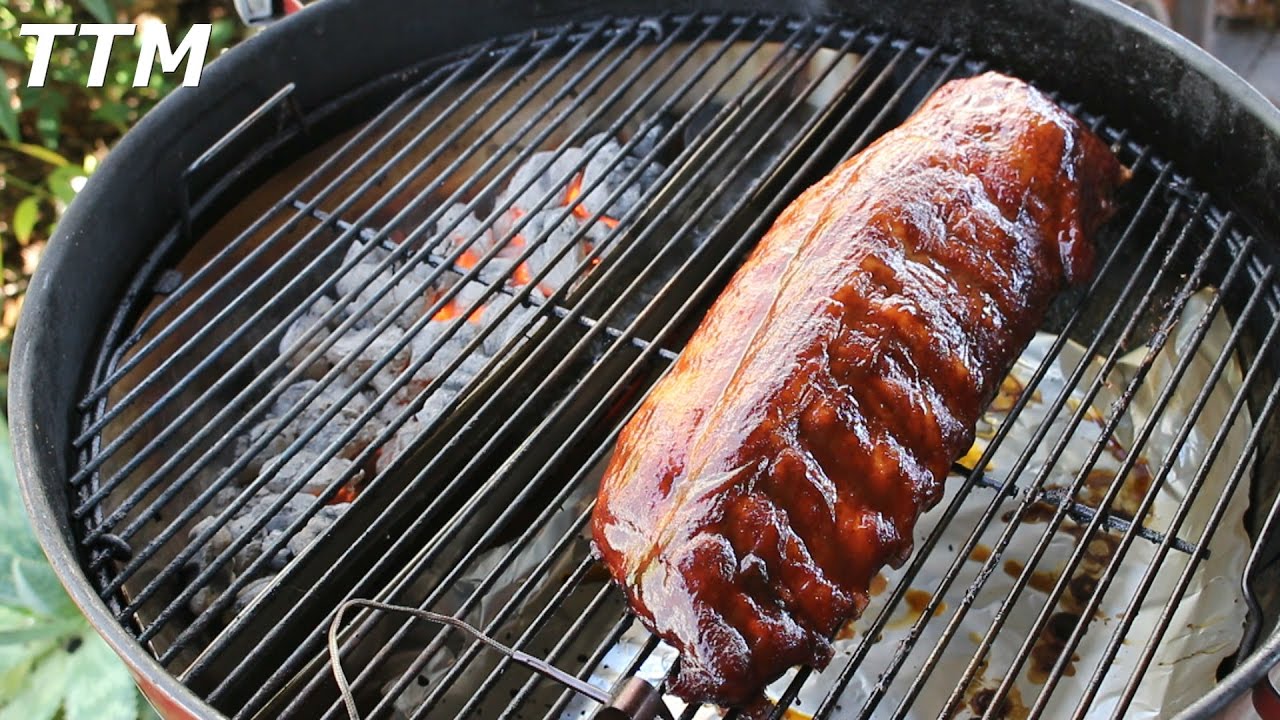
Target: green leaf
103 689
59 182
16 662
25 217
41 695
38 588
11 52
27 581
116 113
100 10
39 153
8 118
39 631
47 104
223 33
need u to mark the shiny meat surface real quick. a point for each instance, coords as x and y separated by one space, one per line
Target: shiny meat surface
817 409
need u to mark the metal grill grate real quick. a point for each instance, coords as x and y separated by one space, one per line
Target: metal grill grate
718 123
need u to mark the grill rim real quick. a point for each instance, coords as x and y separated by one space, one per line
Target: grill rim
49 368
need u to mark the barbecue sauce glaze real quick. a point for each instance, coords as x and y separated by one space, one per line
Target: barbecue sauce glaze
817 409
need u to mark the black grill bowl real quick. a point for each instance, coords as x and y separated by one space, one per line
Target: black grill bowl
346 58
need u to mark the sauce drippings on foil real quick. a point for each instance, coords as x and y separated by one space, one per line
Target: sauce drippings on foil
1041 580
1011 707
877 585
1052 642
915 601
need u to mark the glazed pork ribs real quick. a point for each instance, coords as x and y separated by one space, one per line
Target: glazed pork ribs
817 409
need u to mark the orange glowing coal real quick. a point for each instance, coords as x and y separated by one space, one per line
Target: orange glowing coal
453 309
347 493
580 211
468 260
450 311
522 276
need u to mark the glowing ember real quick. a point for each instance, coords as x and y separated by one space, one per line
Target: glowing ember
522 276
468 260
345 494
580 211
450 311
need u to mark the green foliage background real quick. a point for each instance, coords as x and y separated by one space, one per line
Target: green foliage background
53 137
52 664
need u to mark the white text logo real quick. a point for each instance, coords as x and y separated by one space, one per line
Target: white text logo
193 48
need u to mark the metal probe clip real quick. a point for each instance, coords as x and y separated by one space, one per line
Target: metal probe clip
635 700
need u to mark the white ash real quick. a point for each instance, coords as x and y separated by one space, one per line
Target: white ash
365 268
316 526
596 200
399 443
376 346
561 234
461 226
533 220
315 482
299 328
250 592
316 468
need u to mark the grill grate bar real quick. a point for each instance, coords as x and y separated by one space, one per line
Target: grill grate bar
559 311
1219 508
1116 413
1079 511
226 556
1148 499
268 342
243 461
756 106
187 317
1113 490
929 546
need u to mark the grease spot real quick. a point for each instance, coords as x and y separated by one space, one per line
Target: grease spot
981 553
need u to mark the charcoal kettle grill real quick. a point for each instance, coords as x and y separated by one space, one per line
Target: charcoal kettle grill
360 316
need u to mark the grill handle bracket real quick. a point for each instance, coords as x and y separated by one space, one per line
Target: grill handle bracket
282 98
636 700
